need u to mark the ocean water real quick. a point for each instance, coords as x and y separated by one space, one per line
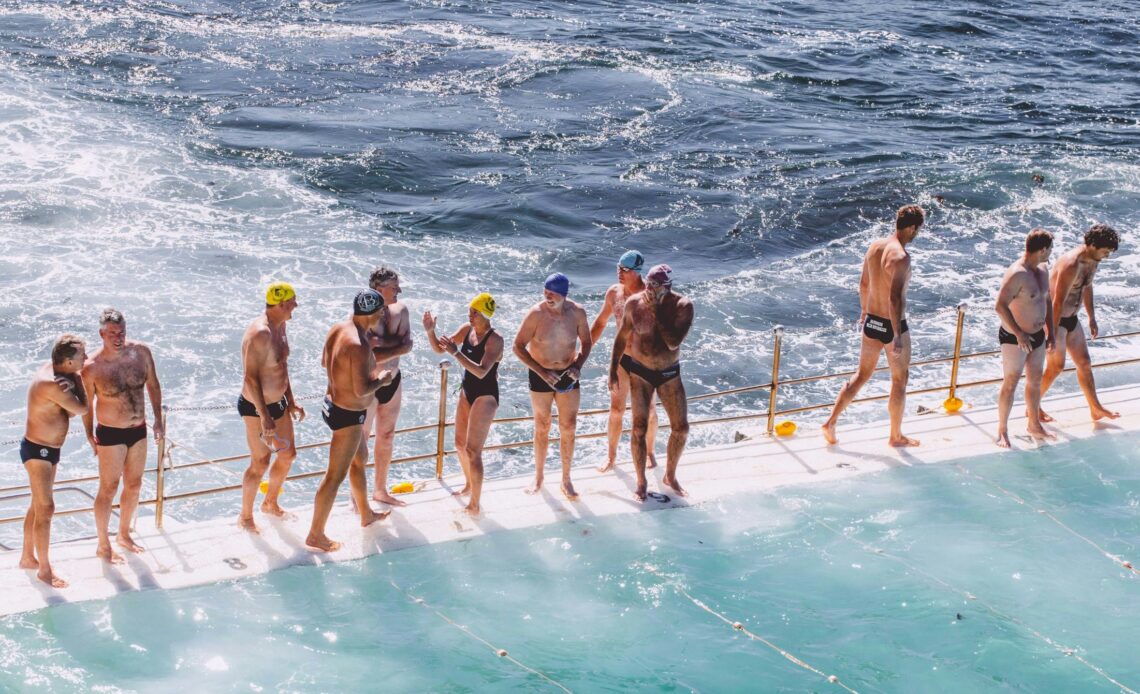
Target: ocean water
941 578
171 158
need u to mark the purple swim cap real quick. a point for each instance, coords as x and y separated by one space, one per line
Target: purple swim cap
660 274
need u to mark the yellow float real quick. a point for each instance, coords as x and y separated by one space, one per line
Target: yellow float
952 405
785 428
403 488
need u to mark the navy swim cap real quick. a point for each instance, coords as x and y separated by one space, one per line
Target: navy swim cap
558 283
367 302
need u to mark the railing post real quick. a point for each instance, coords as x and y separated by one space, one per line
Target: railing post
160 481
957 349
778 331
444 365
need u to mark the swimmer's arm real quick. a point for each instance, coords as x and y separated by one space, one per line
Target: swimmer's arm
1050 320
73 400
898 264
864 290
491 356
154 391
1086 296
625 329
364 376
523 338
325 352
392 347
1066 275
254 353
603 316
89 400
673 332
585 338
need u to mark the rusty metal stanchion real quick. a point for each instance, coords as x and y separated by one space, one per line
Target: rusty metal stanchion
778 331
957 352
160 478
444 365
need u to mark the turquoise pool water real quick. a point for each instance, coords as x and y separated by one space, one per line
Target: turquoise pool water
869 580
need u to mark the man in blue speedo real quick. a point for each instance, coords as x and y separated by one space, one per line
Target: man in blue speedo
547 343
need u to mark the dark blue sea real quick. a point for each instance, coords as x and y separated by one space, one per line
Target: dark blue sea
172 158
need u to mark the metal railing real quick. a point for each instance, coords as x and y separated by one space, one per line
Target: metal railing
165 464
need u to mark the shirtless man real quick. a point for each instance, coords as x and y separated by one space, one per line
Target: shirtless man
55 395
882 304
394 340
353 379
547 343
266 400
1072 287
115 377
1026 332
629 283
648 347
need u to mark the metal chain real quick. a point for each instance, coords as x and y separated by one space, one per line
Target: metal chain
222 408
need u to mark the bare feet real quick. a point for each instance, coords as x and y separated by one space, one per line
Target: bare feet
29 563
641 493
1002 440
903 442
671 482
473 511
651 462
1099 413
605 468
51 579
1039 433
273 509
128 544
248 525
369 517
321 543
828 431
1042 416
534 488
568 490
386 498
109 555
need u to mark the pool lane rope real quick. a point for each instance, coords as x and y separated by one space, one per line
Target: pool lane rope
1123 563
500 652
739 626
876 551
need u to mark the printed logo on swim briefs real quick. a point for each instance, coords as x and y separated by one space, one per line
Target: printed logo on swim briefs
44 452
361 419
877 325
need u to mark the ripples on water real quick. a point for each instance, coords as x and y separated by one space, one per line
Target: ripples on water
171 158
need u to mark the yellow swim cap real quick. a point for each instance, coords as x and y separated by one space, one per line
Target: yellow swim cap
484 303
279 292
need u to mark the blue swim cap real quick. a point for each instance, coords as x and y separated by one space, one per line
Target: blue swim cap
558 283
631 260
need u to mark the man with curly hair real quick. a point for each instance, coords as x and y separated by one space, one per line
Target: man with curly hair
1072 281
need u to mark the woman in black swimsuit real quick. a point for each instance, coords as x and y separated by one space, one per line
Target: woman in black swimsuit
478 349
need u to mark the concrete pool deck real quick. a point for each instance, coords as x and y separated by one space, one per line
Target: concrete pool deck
190 554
